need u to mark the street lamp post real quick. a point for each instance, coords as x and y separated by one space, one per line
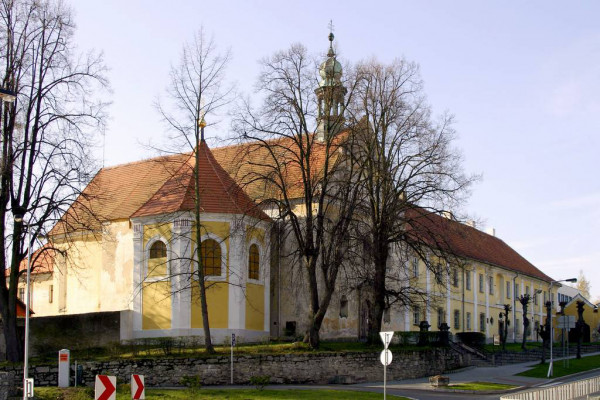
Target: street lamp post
572 280
19 217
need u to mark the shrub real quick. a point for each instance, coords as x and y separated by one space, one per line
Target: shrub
475 339
260 381
192 382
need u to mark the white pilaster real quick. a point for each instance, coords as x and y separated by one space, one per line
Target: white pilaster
138 275
266 271
428 288
181 268
238 260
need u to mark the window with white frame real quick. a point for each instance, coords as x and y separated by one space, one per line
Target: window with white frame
508 290
441 315
455 277
416 315
468 280
415 267
491 284
157 264
481 288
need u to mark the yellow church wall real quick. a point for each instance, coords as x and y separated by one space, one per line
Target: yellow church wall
217 300
156 305
158 229
117 267
255 307
82 277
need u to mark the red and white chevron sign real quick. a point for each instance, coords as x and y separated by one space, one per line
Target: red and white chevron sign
105 387
138 390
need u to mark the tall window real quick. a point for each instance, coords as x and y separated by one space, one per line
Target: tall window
158 250
508 290
343 307
415 267
481 290
441 316
491 279
455 277
210 251
456 319
526 289
51 294
22 294
468 280
468 321
516 290
416 315
481 322
253 263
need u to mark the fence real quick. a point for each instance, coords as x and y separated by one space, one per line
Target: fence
560 392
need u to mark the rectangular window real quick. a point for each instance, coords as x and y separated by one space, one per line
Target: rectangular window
491 283
481 290
416 315
51 294
468 321
441 316
22 294
455 277
526 289
468 280
456 319
508 290
415 267
536 294
516 290
481 322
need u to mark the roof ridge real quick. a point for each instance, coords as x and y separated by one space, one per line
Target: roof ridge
144 160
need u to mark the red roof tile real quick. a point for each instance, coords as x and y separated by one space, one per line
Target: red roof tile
219 193
465 241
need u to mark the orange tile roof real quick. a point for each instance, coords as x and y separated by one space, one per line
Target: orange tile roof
465 241
219 193
117 192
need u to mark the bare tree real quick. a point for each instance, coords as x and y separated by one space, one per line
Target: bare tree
504 331
525 299
305 178
197 89
46 133
583 285
410 172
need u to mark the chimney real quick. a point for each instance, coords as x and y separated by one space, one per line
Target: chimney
491 231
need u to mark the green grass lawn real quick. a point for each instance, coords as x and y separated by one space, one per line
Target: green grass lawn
481 386
583 364
215 394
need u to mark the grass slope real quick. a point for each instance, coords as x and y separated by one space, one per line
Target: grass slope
581 365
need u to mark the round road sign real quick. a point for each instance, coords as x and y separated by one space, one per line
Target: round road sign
386 357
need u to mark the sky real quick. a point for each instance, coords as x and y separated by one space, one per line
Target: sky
521 78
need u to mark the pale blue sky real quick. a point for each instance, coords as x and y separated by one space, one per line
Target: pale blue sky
522 79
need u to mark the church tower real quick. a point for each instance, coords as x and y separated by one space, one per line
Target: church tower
330 95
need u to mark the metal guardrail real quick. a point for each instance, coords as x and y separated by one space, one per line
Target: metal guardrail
565 391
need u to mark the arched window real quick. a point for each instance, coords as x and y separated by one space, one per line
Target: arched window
253 263
210 251
158 250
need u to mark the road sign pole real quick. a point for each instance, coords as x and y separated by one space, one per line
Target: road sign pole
232 344
385 376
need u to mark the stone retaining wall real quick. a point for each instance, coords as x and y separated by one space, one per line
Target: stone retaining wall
317 368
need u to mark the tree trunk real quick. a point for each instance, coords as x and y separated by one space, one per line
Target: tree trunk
525 327
379 288
14 347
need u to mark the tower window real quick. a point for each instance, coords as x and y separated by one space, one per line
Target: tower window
253 263
158 250
210 251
